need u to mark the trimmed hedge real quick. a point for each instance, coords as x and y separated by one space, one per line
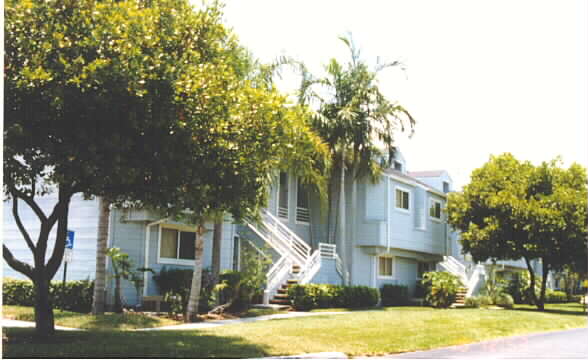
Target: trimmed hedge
73 296
311 296
174 284
394 295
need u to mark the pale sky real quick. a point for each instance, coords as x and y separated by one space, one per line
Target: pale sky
481 78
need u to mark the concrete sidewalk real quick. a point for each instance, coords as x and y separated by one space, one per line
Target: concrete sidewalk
215 323
30 324
193 326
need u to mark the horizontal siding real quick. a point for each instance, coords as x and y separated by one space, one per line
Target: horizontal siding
83 219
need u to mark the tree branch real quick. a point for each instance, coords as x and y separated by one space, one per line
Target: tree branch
16 264
21 227
29 201
61 210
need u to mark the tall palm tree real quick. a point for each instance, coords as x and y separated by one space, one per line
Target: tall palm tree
357 122
101 247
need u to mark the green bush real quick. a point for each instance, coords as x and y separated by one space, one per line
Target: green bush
473 302
552 296
394 295
519 287
311 296
73 296
441 288
485 300
177 283
505 300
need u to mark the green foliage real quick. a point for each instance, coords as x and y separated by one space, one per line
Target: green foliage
512 209
473 302
310 296
174 284
504 300
554 296
495 284
254 268
441 288
393 295
485 300
519 287
73 296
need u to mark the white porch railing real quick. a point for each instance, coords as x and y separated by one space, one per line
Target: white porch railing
312 267
282 239
276 276
470 278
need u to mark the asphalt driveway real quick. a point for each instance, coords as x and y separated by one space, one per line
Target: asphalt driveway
567 344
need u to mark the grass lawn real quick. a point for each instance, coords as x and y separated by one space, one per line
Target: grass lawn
109 321
391 330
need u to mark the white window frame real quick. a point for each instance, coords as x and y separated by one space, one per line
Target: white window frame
172 261
386 277
406 190
298 222
431 202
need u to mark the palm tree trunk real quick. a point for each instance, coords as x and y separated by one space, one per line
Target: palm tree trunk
192 309
101 246
217 237
341 221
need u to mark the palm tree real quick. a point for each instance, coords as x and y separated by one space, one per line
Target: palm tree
357 122
101 248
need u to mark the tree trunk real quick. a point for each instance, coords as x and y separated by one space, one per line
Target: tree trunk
117 301
44 321
216 249
333 209
101 246
192 309
532 286
341 221
545 270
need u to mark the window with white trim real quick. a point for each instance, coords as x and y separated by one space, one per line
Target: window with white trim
385 267
435 209
424 267
176 244
402 199
302 208
283 195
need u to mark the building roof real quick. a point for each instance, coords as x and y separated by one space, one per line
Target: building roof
429 173
413 179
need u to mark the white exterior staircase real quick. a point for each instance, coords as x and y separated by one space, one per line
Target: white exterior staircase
297 263
469 276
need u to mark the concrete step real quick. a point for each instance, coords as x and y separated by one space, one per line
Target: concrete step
279 302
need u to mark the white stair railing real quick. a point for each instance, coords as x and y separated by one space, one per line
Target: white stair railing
278 274
312 267
282 238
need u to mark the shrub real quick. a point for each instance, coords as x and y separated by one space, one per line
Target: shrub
519 287
73 296
393 295
505 300
177 283
472 302
441 288
311 296
552 296
485 300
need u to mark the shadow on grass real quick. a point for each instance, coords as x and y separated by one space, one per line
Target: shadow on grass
561 309
116 344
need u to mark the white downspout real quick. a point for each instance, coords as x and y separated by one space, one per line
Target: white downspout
146 261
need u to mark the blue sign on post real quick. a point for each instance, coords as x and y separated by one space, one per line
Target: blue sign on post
69 240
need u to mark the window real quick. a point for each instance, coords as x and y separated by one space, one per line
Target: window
397 165
435 209
385 267
445 187
177 245
402 199
424 267
283 196
302 212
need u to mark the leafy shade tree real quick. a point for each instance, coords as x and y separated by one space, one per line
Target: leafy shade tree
513 209
131 101
358 123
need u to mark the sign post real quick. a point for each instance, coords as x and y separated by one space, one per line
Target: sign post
67 255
